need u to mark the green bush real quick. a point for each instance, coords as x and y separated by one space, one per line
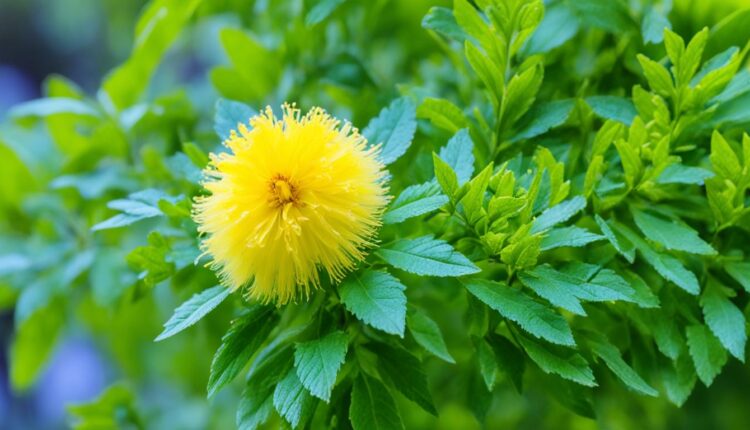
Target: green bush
565 245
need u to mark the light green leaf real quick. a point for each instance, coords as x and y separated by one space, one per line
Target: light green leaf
557 27
426 256
487 363
568 236
318 362
53 106
473 200
559 213
560 361
621 244
394 128
441 20
32 345
443 114
657 75
372 407
445 176
708 354
405 373
653 25
555 287
670 234
427 334
377 298
191 311
725 320
681 174
414 201
612 358
239 343
679 379
537 319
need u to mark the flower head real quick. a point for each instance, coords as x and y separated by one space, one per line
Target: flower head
292 196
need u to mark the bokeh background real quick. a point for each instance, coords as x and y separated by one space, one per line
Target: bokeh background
83 40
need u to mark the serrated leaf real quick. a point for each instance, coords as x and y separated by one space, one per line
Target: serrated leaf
568 236
191 311
679 379
653 25
458 153
405 373
670 234
553 286
229 115
473 201
725 320
559 213
372 407
612 358
445 176
657 76
621 244
740 271
537 319
394 128
377 298
510 360
615 108
543 117
487 364
318 362
292 401
681 174
427 334
441 20
239 343
427 256
707 353
414 201
256 400
563 362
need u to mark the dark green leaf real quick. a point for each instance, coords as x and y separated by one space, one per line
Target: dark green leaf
376 298
193 310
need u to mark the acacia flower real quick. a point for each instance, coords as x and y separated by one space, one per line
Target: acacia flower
293 195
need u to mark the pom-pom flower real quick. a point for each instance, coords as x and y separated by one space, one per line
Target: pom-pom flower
293 195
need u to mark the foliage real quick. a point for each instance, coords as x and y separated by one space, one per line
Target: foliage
569 184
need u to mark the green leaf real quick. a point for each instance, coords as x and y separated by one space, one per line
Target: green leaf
670 234
681 174
560 361
32 345
740 271
668 267
195 308
653 25
158 26
723 159
553 286
414 201
372 407
611 16
53 106
725 321
377 298
405 373
321 11
619 109
445 176
229 115
427 334
239 343
256 400
113 409
138 206
559 213
443 114
441 20
510 360
394 128
487 363
458 154
657 75
557 27
537 319
621 244
318 362
542 118
612 358
473 200
568 236
292 401
708 354
679 379
426 256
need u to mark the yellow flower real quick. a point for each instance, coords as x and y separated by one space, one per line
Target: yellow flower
294 195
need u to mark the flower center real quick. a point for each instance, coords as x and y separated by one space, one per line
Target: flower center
283 191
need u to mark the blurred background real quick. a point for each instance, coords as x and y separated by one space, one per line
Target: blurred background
82 41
